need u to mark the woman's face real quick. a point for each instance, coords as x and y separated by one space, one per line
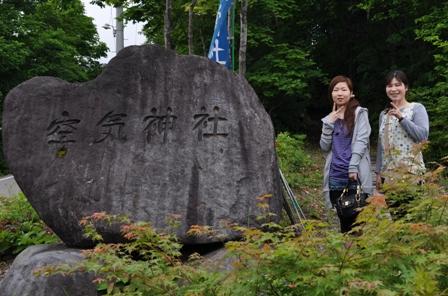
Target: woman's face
341 94
396 90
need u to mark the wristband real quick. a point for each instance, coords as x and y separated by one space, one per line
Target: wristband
401 118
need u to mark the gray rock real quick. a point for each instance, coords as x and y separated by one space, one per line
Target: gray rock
155 134
21 281
218 261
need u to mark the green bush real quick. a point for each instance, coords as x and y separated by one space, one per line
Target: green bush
380 256
293 160
303 170
20 226
149 264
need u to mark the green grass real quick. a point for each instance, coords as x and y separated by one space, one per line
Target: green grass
302 167
20 226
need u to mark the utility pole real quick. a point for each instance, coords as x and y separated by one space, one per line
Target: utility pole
119 38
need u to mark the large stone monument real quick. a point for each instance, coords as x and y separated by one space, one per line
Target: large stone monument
155 134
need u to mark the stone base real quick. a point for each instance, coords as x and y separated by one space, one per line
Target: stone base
20 280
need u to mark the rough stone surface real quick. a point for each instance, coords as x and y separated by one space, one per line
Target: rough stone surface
20 280
155 134
218 261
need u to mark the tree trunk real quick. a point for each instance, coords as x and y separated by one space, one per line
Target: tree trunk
190 26
204 46
243 38
167 25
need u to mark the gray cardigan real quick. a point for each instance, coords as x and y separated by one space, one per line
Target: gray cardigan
417 128
360 160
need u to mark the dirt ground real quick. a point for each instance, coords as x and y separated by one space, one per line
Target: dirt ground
4 266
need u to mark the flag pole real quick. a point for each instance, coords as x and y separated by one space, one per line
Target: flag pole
220 51
233 35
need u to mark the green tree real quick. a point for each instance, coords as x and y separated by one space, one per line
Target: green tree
295 46
151 13
433 29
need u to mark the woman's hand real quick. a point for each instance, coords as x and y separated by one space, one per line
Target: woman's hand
395 111
378 182
353 176
337 113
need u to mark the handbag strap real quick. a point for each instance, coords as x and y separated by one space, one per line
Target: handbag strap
358 185
359 190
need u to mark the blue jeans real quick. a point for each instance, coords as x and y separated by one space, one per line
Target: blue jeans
338 184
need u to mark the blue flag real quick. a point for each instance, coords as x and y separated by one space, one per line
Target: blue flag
220 47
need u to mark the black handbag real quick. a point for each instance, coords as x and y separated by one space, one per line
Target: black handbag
351 200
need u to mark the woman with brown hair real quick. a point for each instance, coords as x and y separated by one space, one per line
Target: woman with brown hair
345 139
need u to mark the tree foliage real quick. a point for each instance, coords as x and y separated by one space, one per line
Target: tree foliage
296 46
51 37
433 29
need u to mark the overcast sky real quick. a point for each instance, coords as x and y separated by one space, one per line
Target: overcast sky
102 16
